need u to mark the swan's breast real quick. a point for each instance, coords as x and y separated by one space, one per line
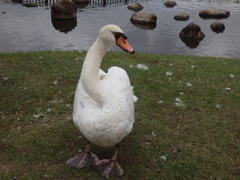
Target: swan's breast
106 126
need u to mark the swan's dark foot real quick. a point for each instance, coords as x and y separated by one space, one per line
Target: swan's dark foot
109 167
86 159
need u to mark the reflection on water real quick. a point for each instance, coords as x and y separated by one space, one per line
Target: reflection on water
65 25
191 42
31 29
145 26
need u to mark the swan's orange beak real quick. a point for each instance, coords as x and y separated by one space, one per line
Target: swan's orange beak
122 43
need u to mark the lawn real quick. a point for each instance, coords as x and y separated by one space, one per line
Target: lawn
187 118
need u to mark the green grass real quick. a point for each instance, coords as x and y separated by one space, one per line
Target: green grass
199 138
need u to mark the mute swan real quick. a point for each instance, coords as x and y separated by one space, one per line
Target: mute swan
104 103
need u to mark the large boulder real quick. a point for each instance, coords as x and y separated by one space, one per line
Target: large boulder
135 7
217 27
144 17
170 4
182 16
191 35
64 9
214 14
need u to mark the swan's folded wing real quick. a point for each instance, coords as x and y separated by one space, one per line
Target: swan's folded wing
116 80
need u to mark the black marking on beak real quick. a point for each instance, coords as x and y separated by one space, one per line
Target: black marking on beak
118 35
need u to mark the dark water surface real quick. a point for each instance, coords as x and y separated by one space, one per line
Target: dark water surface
31 29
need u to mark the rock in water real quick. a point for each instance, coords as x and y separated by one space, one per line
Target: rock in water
217 27
29 4
214 14
64 9
181 17
170 4
135 7
191 35
144 17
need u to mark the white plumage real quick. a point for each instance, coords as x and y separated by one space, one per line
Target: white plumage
104 102
108 123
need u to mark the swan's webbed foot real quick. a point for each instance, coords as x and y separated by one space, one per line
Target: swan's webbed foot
109 167
83 160
86 159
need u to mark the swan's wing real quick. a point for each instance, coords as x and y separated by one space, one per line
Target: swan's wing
116 80
117 83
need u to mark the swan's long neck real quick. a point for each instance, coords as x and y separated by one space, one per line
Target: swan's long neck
90 71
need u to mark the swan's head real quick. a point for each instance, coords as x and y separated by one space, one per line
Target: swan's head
112 34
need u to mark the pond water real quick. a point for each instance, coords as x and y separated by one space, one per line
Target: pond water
31 29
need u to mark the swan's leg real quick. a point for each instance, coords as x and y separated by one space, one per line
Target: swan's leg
110 167
85 159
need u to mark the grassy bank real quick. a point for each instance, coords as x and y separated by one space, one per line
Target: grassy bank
187 117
